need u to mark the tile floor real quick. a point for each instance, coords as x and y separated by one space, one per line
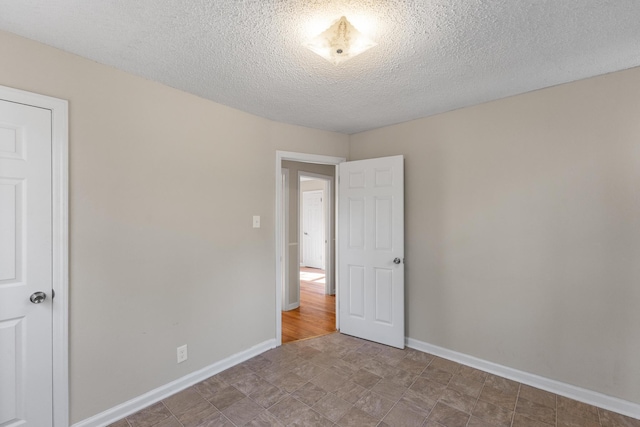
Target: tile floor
337 380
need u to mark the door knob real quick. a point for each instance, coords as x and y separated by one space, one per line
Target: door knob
397 260
38 297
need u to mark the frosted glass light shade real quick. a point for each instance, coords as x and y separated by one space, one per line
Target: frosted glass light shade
340 42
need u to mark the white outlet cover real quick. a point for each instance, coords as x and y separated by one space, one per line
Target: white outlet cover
182 353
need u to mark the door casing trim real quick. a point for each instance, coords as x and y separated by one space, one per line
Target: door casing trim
60 251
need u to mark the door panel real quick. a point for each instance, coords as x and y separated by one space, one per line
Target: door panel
25 266
313 245
371 236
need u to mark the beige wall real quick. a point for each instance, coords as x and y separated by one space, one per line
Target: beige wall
163 187
523 230
294 234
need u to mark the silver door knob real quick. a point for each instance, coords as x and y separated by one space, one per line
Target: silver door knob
397 260
38 297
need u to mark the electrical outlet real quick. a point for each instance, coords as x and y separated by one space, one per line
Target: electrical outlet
182 353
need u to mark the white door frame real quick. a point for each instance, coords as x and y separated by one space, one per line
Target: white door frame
305 158
60 227
330 266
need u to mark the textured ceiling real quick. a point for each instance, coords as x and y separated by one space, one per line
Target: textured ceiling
432 55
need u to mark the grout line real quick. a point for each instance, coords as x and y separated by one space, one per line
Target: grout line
599 417
516 405
556 400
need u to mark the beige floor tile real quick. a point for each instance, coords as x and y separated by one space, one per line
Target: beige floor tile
208 417
311 418
234 374
503 384
243 411
186 402
458 400
564 419
350 392
251 383
472 373
538 396
288 410
332 407
520 420
377 367
257 363
149 416
418 356
121 423
402 416
287 381
398 376
308 370
477 422
611 419
465 385
494 414
577 409
414 367
168 422
265 419
357 418
268 397
448 416
389 389
427 388
418 403
210 386
374 405
328 381
365 378
536 411
226 397
495 396
435 374
445 365
309 394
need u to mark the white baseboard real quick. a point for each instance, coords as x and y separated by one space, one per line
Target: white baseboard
292 306
583 395
137 403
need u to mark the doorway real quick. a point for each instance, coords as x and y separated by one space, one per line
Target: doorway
295 285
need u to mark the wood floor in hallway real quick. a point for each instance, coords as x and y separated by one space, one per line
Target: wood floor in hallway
316 315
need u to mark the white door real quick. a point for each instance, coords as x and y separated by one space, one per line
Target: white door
371 249
25 266
313 246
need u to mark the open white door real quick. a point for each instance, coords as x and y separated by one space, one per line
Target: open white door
313 241
26 372
371 249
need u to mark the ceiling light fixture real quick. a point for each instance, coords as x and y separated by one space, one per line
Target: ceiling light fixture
340 42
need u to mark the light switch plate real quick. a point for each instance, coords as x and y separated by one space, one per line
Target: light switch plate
256 221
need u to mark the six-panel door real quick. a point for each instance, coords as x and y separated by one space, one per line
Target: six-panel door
25 266
371 249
